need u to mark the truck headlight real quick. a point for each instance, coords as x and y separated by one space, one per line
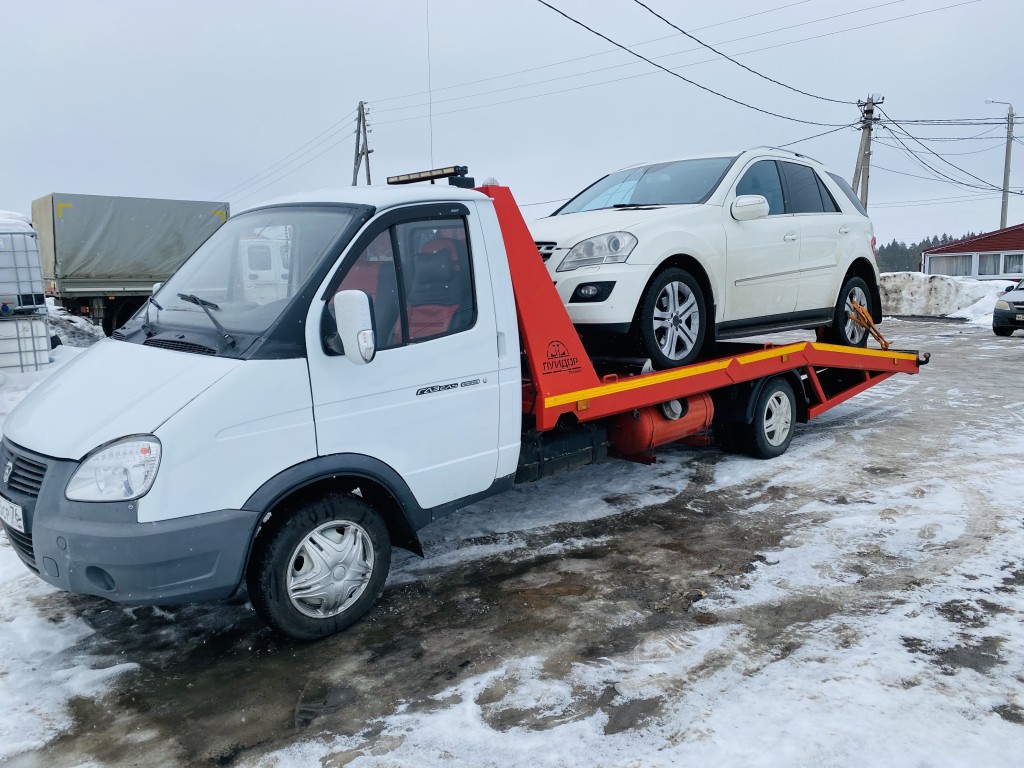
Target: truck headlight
1000 304
121 471
603 249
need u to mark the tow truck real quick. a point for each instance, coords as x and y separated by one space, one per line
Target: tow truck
421 360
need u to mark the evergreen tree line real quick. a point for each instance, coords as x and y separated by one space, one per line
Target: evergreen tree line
906 257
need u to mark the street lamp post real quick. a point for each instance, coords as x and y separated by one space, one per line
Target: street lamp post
1006 162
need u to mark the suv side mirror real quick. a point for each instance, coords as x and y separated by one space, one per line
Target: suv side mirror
357 331
749 207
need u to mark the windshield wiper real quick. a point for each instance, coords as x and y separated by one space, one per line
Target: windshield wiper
146 325
206 306
638 205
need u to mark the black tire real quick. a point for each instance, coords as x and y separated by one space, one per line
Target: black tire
335 536
771 431
683 329
843 330
1002 331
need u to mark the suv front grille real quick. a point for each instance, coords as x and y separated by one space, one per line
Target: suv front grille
546 249
180 346
22 543
1017 304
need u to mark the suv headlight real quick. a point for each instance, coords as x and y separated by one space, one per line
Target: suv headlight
120 471
1000 304
603 249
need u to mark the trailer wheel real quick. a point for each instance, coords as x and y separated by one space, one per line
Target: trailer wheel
322 569
844 330
771 431
673 319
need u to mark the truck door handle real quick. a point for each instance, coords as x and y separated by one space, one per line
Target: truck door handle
844 230
789 237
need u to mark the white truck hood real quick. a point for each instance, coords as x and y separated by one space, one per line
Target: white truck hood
571 228
111 390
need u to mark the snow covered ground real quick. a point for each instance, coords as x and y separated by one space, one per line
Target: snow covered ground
855 602
914 293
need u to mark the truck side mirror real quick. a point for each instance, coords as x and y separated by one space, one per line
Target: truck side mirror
357 330
749 207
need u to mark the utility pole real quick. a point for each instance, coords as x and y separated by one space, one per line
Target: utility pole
1006 161
362 146
862 170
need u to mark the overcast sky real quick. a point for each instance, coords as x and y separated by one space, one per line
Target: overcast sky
191 99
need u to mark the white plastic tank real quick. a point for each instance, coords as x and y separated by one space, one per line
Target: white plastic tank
21 276
24 332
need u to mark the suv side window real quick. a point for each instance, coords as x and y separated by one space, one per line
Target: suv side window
762 178
419 277
827 201
802 187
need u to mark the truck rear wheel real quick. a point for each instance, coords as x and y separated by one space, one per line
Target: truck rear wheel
771 431
322 569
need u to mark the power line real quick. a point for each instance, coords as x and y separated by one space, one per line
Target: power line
605 53
648 74
681 77
983 196
737 63
933 152
293 170
815 136
665 56
239 187
953 154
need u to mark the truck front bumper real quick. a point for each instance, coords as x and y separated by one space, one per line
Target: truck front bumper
101 549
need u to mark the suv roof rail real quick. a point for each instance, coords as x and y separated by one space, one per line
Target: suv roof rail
790 151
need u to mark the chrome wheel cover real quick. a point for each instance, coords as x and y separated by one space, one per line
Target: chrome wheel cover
854 330
778 419
676 320
330 569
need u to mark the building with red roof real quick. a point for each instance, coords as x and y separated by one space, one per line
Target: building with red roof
995 255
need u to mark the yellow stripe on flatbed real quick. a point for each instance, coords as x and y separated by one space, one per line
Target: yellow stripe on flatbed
677 374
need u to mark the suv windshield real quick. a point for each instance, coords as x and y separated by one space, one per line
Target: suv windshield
684 182
248 270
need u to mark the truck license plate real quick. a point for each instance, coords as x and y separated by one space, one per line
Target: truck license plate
10 513
1020 318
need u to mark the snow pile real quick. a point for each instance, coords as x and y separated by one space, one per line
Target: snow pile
915 293
73 331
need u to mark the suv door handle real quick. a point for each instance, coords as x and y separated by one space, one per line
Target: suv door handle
844 230
789 237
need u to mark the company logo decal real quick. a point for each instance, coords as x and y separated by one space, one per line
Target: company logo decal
7 471
559 360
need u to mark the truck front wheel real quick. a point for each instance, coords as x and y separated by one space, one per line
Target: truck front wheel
322 569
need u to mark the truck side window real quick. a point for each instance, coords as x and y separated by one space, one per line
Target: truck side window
374 274
437 277
762 178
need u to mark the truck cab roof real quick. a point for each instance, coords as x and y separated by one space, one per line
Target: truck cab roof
380 197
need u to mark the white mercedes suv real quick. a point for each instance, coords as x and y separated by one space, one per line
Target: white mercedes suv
675 255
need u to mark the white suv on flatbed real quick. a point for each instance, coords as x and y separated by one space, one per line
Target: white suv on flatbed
674 255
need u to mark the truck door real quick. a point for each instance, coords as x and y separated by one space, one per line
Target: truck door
427 405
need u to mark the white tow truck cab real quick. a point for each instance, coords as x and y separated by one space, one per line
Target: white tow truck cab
328 374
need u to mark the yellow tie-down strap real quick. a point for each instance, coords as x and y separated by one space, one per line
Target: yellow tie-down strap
689 371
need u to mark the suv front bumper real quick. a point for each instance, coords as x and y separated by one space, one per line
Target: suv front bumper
100 548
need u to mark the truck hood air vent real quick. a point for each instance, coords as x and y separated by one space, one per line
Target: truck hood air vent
180 346
117 336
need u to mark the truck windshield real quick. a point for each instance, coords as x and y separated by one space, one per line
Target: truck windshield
249 269
684 182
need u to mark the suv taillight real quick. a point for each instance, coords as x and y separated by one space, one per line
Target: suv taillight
874 246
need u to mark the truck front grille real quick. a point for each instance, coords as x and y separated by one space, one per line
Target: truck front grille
546 249
180 346
26 476
22 543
